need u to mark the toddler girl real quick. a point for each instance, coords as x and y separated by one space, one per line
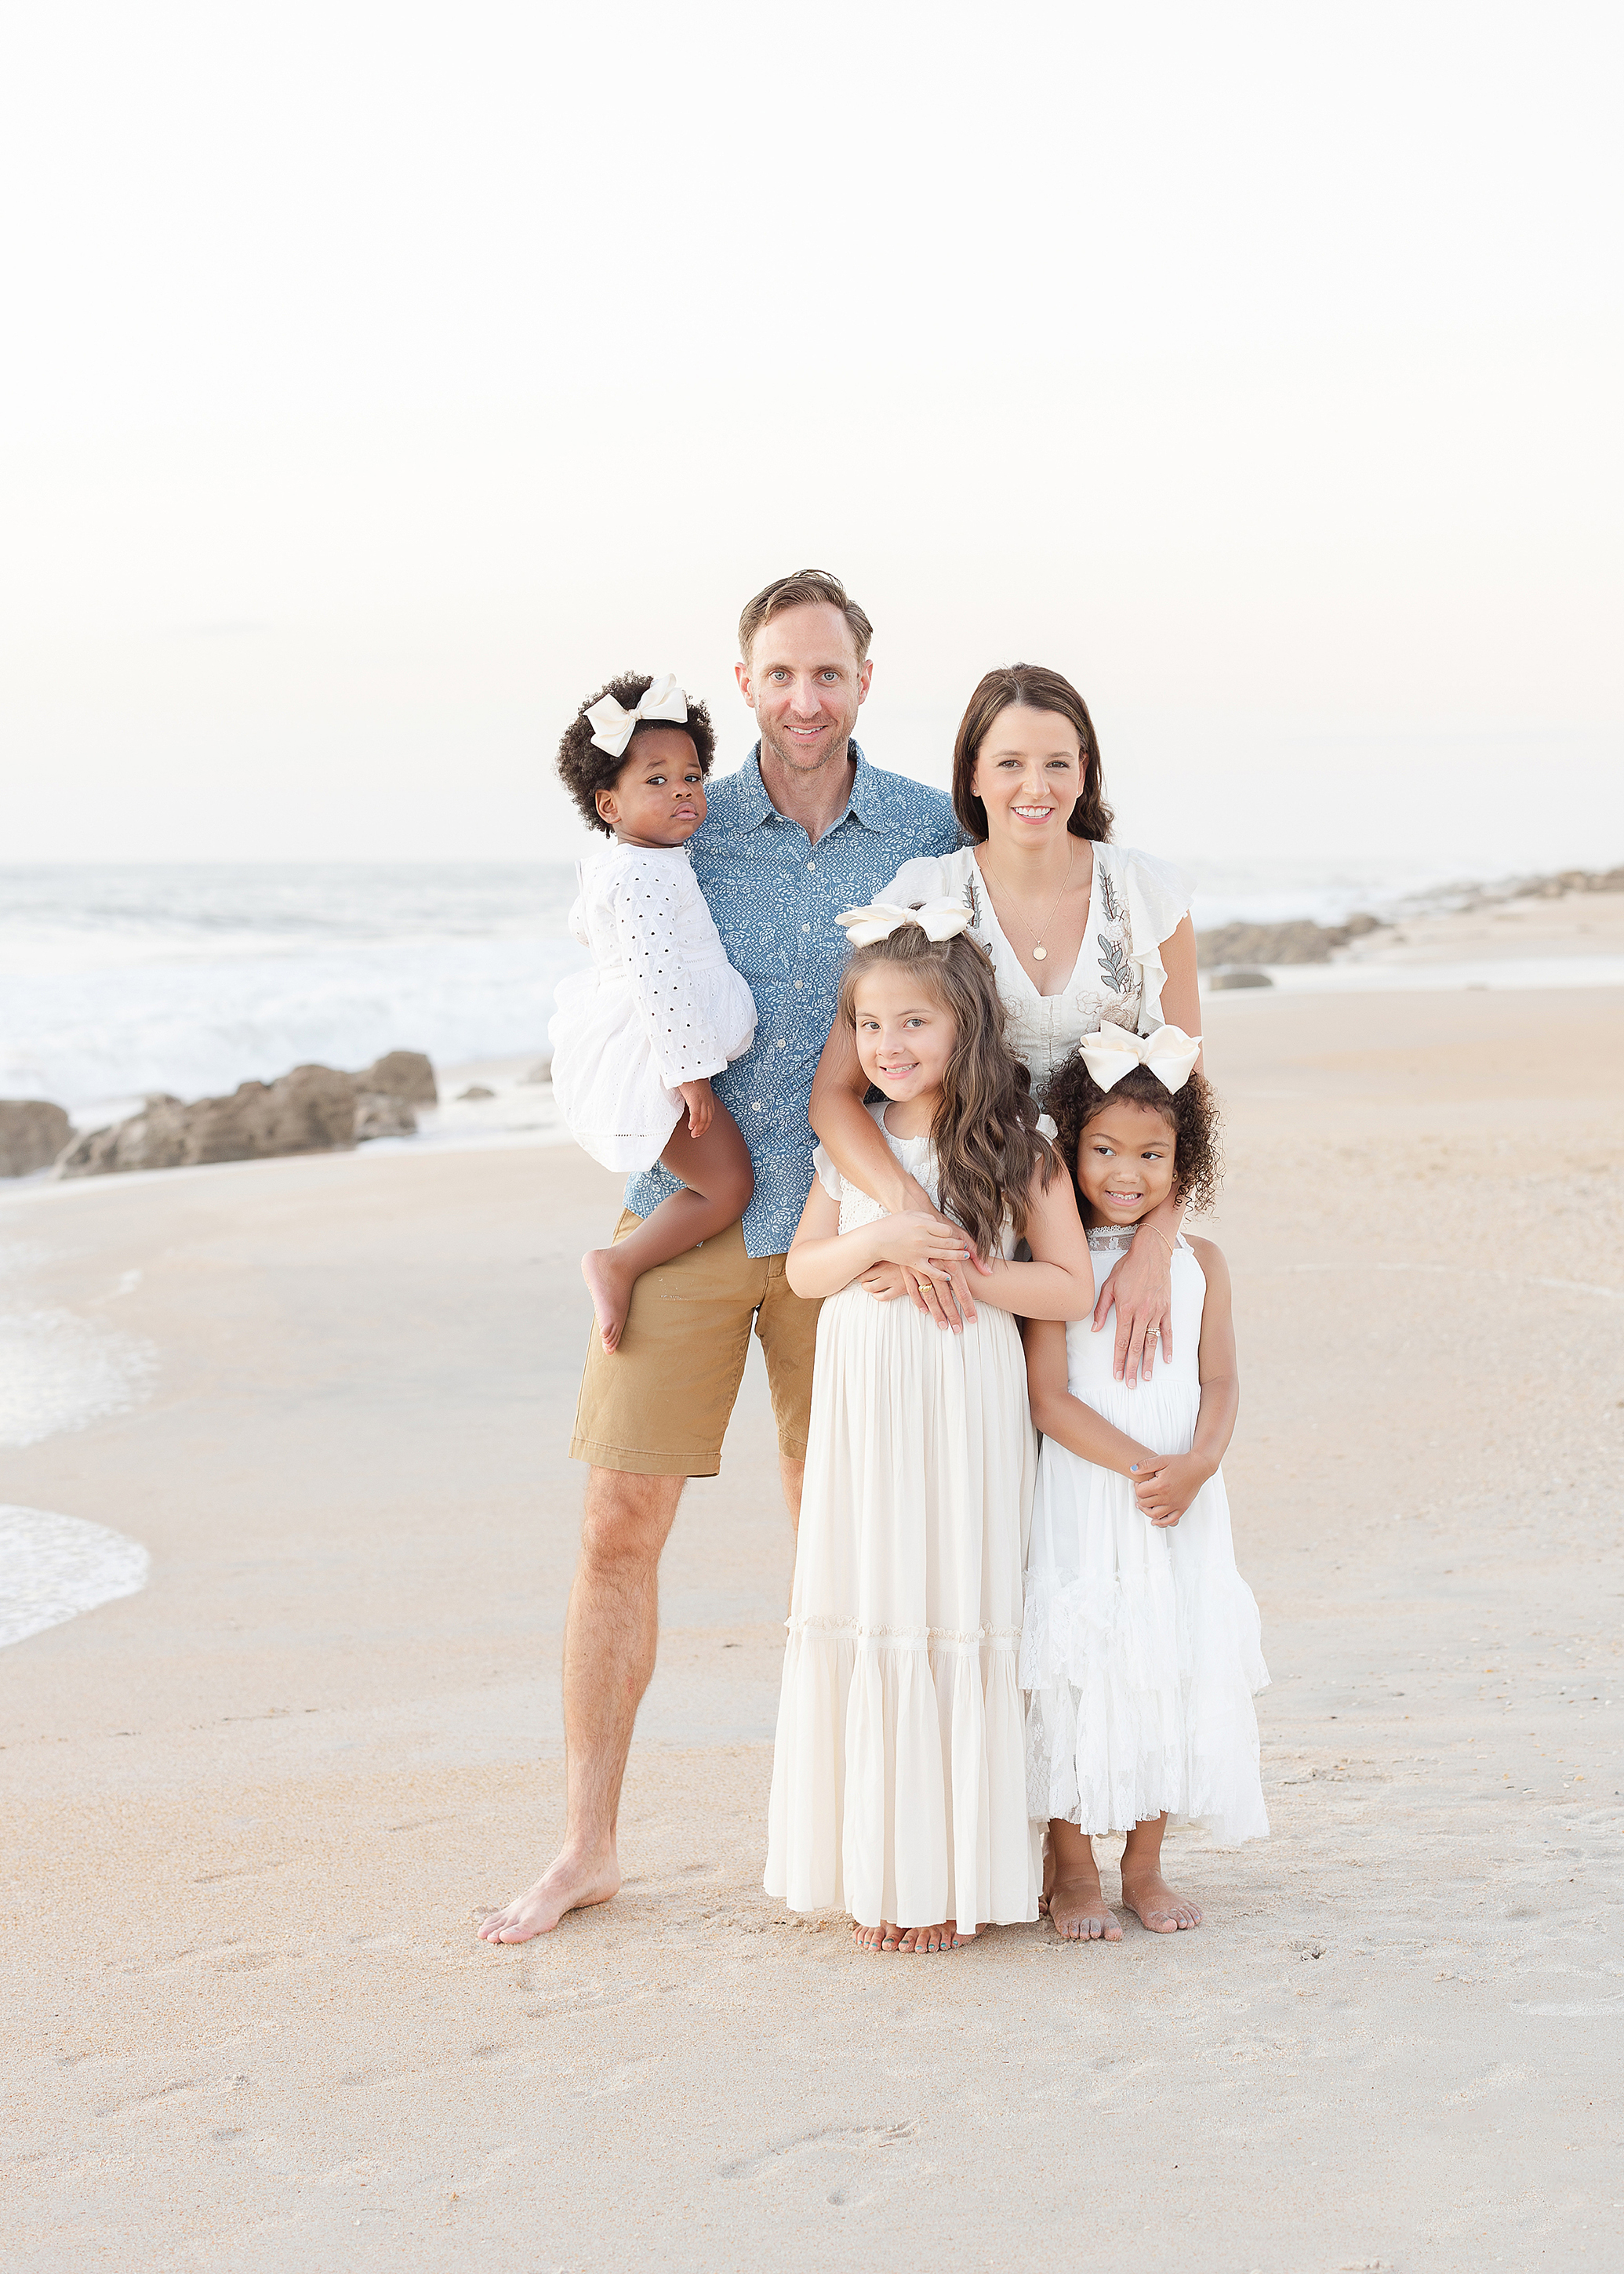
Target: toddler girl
1140 1646
898 1790
636 1039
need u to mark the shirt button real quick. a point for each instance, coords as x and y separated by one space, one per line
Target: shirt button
756 1106
782 1046
811 864
798 987
806 927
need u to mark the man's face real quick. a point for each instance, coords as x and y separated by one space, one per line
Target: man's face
805 684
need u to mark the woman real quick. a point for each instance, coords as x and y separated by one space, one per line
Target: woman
1079 932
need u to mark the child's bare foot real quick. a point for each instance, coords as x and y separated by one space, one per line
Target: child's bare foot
571 1884
928 1938
1079 1910
610 1284
1153 1903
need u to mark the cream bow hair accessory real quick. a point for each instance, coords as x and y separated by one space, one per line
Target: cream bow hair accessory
1169 1053
612 727
937 919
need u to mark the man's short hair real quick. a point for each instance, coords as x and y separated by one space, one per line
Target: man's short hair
808 588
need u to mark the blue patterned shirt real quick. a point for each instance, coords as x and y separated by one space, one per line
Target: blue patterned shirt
775 896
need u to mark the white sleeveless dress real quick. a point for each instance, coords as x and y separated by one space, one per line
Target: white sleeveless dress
1142 1648
1135 904
661 1004
898 1784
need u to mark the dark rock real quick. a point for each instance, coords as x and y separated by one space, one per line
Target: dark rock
312 1109
1238 979
32 1133
1299 942
376 1116
405 1075
474 1089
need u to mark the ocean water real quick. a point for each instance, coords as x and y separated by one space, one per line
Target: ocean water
191 978
54 1567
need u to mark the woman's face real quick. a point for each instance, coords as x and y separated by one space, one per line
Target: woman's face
1028 775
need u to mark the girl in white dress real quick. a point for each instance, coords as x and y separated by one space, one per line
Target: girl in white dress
1140 1647
898 1784
637 1038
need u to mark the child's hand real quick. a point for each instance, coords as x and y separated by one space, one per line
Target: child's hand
1166 1490
700 1100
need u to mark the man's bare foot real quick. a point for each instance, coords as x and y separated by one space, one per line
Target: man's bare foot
610 1285
1077 1910
1155 1904
571 1884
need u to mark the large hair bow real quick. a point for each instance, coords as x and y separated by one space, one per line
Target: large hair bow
612 727
1169 1053
937 919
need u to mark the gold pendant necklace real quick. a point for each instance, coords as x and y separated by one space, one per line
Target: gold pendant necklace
1040 954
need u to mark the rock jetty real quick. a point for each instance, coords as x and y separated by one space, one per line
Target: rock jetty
32 1133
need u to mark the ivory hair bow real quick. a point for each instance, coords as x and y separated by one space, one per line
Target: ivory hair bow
612 727
937 919
1169 1053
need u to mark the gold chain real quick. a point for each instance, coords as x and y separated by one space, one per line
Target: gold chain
1039 952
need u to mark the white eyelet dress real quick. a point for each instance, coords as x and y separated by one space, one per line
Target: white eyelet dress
898 1783
1141 1651
1135 904
661 1004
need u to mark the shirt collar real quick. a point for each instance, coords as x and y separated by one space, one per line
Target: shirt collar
755 805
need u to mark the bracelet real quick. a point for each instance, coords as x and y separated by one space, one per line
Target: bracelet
1162 1236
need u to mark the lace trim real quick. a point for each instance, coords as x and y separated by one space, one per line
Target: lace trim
820 1625
1119 1236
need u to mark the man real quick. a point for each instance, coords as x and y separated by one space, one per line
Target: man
806 828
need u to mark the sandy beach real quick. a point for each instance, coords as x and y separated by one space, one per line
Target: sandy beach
254 1812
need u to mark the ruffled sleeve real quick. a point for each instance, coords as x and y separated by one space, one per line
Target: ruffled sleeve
927 879
1158 897
828 1175
645 897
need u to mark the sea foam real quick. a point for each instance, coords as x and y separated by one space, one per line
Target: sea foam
53 1567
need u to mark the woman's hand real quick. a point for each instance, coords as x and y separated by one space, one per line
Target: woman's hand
948 1299
1141 1290
931 1256
1166 1491
700 1100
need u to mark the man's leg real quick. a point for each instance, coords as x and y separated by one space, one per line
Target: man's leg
792 1476
610 1639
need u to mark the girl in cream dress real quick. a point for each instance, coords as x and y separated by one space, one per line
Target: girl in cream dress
898 1783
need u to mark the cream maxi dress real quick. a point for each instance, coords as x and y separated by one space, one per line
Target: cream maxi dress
661 1004
1135 903
898 1784
1141 1650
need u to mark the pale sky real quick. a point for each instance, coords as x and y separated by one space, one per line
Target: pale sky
380 379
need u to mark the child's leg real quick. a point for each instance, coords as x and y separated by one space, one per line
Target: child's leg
716 1171
1144 1891
1077 1902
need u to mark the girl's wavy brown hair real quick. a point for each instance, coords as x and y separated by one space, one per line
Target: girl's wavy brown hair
985 1131
1073 1098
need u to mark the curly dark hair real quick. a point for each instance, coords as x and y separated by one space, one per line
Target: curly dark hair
584 768
1073 1098
985 1131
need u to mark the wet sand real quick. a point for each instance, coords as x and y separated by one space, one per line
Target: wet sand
253 1812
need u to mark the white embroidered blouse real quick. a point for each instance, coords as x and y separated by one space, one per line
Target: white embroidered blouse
1135 904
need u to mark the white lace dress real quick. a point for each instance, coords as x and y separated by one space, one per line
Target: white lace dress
661 1004
1135 904
899 1786
1141 1649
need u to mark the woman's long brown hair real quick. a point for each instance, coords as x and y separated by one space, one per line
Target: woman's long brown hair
985 1130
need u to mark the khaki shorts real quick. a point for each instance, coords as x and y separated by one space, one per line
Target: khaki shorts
661 1406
